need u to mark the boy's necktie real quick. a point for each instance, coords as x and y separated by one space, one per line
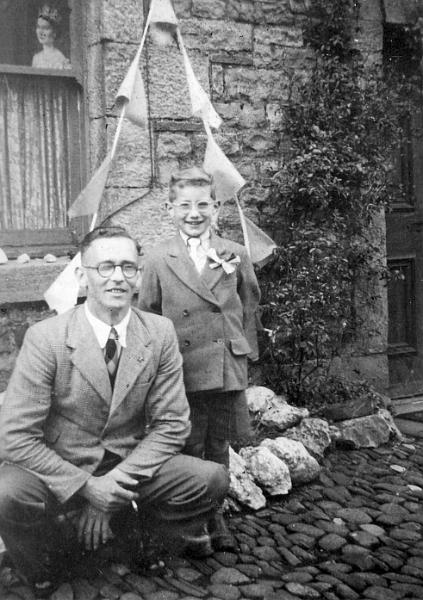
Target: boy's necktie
195 251
111 354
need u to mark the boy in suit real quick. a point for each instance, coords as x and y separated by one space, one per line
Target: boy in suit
207 286
94 418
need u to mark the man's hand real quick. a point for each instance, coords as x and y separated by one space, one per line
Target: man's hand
93 527
110 492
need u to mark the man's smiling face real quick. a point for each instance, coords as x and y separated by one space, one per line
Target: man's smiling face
193 209
109 298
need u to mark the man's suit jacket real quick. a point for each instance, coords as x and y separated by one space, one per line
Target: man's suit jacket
60 415
213 313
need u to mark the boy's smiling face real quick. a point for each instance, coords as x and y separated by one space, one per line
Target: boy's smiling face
193 209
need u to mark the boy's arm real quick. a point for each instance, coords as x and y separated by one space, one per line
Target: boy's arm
249 292
150 294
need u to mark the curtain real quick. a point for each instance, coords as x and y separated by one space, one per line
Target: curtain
35 161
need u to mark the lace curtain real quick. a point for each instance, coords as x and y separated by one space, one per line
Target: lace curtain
35 161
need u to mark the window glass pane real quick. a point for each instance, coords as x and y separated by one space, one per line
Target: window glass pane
40 125
33 32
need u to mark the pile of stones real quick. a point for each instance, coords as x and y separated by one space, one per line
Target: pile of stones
296 442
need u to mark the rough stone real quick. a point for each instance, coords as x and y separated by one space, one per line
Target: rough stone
230 576
369 432
352 409
302 466
258 398
283 416
270 42
208 35
242 486
313 433
3 257
267 470
23 258
224 591
354 516
331 542
209 10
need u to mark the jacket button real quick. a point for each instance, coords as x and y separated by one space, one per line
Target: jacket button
220 342
187 343
185 313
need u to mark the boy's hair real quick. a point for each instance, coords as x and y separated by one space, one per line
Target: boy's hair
194 176
104 233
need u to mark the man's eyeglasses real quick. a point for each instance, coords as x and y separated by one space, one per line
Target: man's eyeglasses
106 269
186 207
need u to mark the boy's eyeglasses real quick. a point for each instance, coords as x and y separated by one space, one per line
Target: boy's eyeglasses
106 269
186 207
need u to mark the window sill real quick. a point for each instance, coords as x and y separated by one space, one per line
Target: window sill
28 282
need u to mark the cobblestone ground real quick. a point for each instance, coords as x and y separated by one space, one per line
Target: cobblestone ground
355 533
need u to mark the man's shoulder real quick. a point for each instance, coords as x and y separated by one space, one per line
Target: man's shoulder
151 321
54 323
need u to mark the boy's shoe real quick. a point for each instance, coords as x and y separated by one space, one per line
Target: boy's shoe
221 537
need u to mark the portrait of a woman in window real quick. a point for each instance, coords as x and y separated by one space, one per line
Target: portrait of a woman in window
47 31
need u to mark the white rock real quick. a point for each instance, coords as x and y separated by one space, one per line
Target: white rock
3 257
267 470
242 486
369 432
23 258
282 416
302 466
49 258
313 433
258 398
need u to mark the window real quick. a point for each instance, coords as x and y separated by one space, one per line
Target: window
41 124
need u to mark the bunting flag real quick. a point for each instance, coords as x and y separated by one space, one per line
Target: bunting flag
200 102
161 11
132 91
261 245
227 180
63 292
88 201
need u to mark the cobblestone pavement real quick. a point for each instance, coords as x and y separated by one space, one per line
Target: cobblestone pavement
355 533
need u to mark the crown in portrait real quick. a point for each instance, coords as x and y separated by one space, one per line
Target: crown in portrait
50 14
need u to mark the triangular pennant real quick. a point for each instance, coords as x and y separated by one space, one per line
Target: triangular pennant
200 102
227 180
132 91
88 201
63 292
162 11
261 245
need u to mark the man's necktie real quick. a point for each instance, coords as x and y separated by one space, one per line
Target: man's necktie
111 354
196 252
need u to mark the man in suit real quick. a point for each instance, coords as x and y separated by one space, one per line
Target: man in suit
95 417
207 286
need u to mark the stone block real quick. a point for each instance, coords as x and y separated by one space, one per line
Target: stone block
350 410
95 82
168 88
369 431
282 416
371 11
122 24
132 162
242 486
241 10
172 145
241 114
98 141
275 12
214 35
182 8
299 7
164 169
217 81
209 10
313 433
269 471
270 42
256 84
94 25
147 219
261 141
302 466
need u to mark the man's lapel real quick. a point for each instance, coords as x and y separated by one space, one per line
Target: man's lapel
134 359
87 355
179 262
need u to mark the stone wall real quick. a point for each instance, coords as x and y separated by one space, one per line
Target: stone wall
246 54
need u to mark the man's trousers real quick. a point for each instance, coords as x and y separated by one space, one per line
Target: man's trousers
182 495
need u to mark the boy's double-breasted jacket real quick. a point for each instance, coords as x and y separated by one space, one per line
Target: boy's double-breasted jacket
213 312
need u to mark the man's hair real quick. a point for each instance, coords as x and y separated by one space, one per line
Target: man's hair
194 176
104 233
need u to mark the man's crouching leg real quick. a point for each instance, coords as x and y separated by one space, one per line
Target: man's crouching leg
181 498
26 526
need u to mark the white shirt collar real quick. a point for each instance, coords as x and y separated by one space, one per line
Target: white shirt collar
102 329
204 238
